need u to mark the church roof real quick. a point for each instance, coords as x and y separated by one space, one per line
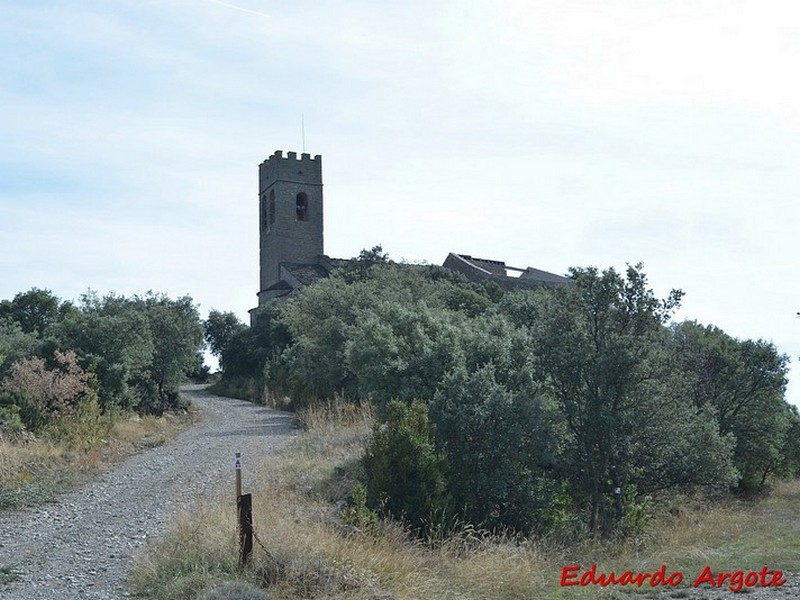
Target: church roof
543 276
297 275
483 269
306 273
281 285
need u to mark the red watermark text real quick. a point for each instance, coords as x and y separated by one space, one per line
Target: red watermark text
735 581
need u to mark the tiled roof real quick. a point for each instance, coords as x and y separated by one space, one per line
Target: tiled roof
482 269
306 273
539 275
281 285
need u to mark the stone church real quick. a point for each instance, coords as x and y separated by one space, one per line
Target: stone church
291 236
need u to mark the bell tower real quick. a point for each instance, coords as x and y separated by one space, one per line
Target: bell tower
290 215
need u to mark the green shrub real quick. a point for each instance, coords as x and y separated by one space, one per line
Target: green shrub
637 511
405 473
502 448
10 420
358 514
14 404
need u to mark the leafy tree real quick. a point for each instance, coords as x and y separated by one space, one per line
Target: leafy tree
599 346
15 343
401 351
251 348
358 269
34 310
113 337
745 382
220 329
177 336
790 453
342 326
139 347
468 299
494 340
674 445
319 319
200 372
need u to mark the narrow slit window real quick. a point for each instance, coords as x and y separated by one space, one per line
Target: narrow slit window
271 209
302 207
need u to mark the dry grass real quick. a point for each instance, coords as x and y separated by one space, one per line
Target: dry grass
733 533
34 470
309 553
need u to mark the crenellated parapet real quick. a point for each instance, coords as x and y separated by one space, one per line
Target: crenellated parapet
289 168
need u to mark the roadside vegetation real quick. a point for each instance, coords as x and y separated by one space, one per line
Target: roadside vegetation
82 386
466 441
557 409
320 543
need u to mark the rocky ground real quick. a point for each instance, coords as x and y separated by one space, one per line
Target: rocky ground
82 545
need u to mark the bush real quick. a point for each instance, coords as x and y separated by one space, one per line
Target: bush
405 474
46 394
17 411
10 419
85 427
358 515
502 448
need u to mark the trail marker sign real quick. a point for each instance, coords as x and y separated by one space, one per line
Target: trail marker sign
237 464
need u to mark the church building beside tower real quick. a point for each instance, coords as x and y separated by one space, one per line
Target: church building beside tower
291 235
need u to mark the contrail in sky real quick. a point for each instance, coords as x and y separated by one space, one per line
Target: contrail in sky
247 10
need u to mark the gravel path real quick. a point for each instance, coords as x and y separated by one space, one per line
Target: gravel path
81 546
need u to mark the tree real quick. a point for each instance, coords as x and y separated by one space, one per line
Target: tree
744 380
220 330
401 351
600 348
15 343
358 269
140 347
34 310
252 349
113 338
394 311
177 336
319 319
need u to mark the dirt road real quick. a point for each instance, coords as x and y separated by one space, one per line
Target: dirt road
82 545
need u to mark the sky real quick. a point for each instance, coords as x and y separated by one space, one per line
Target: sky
549 134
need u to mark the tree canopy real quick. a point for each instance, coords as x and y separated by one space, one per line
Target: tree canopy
137 349
533 407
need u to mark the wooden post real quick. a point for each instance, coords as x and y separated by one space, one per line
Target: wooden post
244 510
244 505
238 467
